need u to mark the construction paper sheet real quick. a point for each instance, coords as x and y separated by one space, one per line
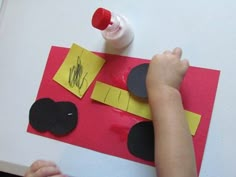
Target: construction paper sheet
105 129
122 100
78 70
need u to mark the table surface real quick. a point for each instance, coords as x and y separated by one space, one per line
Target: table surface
206 30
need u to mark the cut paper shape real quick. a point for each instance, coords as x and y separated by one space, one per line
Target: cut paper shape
67 120
136 81
78 70
42 114
59 118
141 140
105 129
139 108
121 99
193 120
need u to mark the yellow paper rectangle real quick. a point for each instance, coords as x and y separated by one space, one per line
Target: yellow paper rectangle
78 70
121 99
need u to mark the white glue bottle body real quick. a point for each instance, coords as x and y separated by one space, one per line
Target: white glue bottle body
115 28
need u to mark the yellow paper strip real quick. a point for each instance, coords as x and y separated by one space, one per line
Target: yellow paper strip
122 100
78 70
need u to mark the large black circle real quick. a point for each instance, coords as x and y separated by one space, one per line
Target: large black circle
141 140
136 81
67 119
43 114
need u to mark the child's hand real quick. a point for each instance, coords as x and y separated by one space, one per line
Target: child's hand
42 168
166 71
173 141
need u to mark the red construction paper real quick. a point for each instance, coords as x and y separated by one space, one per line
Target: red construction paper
105 129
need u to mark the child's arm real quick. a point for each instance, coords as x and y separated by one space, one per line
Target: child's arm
174 153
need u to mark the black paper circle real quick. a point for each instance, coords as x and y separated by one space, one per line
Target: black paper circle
67 120
141 140
43 114
60 118
136 81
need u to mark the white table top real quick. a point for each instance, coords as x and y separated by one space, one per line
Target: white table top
206 30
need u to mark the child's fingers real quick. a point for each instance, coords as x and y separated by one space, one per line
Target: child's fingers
177 52
167 52
185 65
41 163
47 171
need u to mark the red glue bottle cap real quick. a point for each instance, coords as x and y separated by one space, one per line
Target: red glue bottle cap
101 18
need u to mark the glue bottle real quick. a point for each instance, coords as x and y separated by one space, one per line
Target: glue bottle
115 28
